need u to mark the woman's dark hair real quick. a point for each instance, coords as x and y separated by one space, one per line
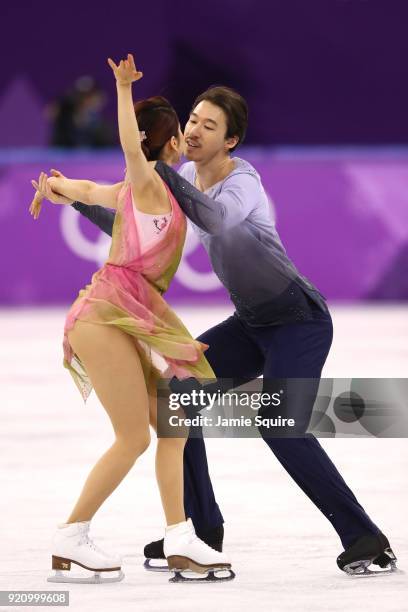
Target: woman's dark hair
234 107
158 119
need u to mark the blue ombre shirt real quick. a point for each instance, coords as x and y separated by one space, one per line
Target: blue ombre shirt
234 223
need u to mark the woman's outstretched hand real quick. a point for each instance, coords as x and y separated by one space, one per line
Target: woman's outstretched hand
36 204
44 191
126 72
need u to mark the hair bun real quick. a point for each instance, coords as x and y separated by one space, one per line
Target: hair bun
158 119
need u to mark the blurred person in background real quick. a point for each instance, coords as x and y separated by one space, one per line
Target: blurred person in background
78 119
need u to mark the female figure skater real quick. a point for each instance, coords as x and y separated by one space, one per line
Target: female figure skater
119 331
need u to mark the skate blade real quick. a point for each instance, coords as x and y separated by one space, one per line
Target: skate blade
212 575
97 578
362 569
150 567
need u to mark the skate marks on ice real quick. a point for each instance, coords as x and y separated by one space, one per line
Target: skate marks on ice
283 550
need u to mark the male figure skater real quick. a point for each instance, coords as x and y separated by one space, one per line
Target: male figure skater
281 327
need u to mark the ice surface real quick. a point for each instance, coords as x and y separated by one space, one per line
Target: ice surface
283 549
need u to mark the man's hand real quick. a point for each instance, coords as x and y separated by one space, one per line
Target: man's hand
44 191
126 73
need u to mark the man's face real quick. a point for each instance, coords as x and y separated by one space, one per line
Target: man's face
205 132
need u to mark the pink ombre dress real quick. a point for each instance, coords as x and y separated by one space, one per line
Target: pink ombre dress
127 292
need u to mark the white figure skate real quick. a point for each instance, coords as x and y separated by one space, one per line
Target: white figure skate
71 545
185 552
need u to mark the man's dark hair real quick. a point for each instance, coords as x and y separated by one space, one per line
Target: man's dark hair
234 107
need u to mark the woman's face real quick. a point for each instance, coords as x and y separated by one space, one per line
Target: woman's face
180 145
176 148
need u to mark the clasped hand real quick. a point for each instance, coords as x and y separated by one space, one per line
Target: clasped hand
44 190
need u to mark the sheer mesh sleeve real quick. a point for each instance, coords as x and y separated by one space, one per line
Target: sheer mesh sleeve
235 203
232 206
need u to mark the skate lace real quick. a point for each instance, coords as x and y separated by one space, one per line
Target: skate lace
86 541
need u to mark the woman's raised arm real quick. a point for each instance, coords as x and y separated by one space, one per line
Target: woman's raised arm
139 171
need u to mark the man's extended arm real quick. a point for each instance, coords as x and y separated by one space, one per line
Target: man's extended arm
231 207
238 197
100 216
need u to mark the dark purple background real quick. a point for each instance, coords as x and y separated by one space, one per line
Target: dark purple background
313 71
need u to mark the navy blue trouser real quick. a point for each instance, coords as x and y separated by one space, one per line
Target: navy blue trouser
299 349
